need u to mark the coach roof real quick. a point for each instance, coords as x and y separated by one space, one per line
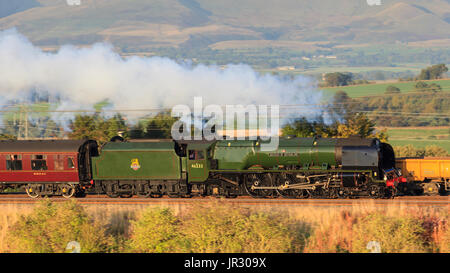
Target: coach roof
42 146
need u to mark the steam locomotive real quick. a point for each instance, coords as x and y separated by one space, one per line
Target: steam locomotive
298 168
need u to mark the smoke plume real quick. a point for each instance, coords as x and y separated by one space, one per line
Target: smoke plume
81 77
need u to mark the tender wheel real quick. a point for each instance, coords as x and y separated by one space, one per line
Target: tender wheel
111 190
126 187
112 194
126 195
144 191
258 180
144 194
68 190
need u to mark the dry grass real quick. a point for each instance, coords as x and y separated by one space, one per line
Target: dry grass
9 214
319 229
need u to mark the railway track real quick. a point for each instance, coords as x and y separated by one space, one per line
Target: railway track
93 199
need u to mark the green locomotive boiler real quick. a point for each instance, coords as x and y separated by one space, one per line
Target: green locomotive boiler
299 168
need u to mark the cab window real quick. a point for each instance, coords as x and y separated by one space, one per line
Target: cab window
14 162
195 155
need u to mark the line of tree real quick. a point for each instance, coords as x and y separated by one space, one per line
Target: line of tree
353 124
103 129
338 79
98 127
157 127
418 108
334 79
433 72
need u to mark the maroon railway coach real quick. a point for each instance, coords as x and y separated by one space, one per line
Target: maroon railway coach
47 167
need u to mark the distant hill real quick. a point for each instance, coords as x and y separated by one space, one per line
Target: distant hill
8 7
228 23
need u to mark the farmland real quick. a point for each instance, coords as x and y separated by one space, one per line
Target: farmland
420 136
379 88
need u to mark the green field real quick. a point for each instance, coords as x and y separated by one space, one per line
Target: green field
421 143
419 137
380 88
401 67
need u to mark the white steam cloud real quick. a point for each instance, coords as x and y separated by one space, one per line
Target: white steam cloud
82 77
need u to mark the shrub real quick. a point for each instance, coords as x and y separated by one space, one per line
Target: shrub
444 242
434 150
392 90
338 78
410 151
424 87
401 234
334 235
216 228
157 230
437 231
219 228
118 226
49 228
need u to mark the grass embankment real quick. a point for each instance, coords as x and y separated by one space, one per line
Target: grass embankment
220 227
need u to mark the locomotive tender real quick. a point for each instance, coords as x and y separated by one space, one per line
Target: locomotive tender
299 168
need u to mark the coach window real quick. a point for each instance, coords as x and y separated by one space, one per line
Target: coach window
59 162
14 162
70 163
39 162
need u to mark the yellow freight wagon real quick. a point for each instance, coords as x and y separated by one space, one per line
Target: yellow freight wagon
432 174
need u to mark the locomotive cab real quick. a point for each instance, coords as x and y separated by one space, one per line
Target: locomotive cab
198 161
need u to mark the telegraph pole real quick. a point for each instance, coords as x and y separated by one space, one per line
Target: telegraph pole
19 133
26 124
23 123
